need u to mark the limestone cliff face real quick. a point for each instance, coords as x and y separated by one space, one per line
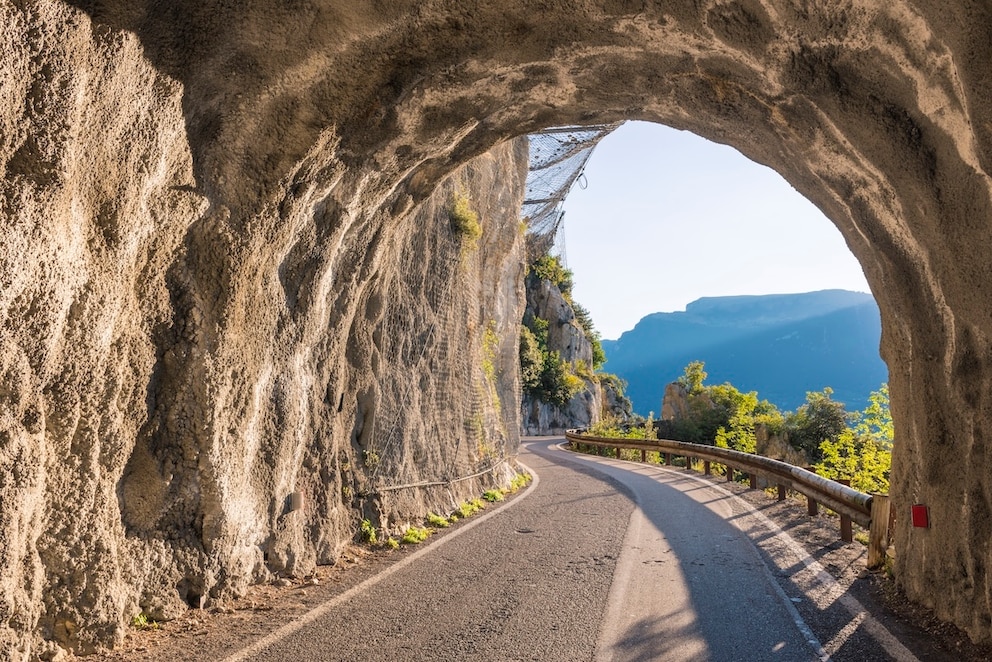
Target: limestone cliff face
202 201
174 368
566 336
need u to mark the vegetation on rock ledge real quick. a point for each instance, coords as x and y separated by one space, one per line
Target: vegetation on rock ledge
545 375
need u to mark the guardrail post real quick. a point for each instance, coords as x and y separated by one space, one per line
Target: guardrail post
846 532
851 501
878 533
811 505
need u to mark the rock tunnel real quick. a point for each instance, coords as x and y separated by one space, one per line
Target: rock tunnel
224 227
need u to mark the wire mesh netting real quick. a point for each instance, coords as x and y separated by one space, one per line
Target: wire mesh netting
557 158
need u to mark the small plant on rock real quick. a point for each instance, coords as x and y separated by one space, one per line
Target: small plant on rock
415 535
464 220
142 622
492 496
368 533
467 509
437 521
520 480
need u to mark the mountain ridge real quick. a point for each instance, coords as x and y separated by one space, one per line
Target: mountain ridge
780 345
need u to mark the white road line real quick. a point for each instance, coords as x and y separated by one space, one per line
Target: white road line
829 586
321 610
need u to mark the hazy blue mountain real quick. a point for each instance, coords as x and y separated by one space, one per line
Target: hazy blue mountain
780 345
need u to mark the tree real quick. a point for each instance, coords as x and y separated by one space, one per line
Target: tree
862 453
820 418
875 420
857 458
738 434
693 377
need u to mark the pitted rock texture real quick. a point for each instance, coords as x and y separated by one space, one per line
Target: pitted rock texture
174 368
203 201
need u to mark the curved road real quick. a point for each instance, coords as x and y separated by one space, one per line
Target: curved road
601 560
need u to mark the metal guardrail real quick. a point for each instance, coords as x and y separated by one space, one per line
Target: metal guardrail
868 510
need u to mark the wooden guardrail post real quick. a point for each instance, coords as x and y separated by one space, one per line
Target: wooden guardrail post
752 481
644 455
617 449
811 506
818 490
846 532
878 533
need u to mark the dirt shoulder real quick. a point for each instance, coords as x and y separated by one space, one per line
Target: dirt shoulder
914 626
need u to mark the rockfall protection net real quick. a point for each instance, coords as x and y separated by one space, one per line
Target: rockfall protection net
557 159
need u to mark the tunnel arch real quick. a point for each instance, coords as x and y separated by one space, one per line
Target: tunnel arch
871 114
326 124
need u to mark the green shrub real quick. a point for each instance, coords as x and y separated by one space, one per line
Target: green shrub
550 268
519 481
415 535
469 508
558 383
464 220
531 360
368 533
437 521
492 496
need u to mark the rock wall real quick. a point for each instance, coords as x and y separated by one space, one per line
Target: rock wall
174 368
201 200
566 336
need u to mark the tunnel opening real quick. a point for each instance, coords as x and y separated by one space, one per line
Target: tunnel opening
657 219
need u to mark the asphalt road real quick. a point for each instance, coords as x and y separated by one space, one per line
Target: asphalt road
600 560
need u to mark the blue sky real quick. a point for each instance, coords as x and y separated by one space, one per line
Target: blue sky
668 217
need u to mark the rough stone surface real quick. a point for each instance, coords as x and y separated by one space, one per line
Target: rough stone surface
205 206
175 366
566 336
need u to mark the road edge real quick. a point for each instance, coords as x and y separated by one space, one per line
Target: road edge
317 612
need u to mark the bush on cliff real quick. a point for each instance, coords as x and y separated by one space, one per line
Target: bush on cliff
464 220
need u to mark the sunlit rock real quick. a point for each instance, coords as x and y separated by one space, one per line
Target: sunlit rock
218 232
